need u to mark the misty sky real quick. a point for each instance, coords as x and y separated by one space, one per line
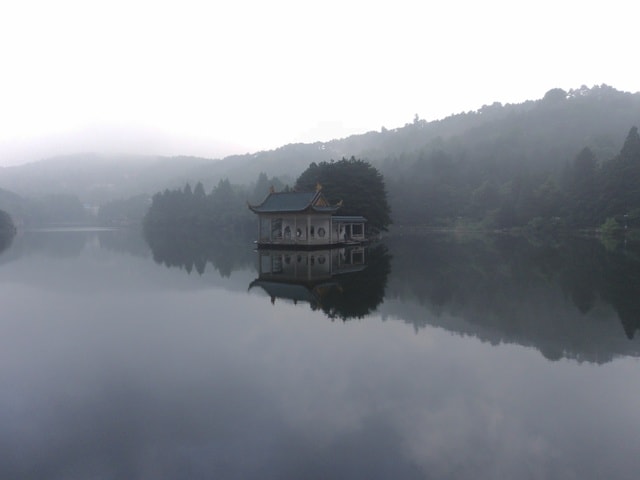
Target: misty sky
217 77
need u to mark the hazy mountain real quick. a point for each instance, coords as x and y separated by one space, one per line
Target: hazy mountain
96 178
495 142
50 208
112 141
18 207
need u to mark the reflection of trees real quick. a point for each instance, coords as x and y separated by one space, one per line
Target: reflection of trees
344 283
620 286
7 230
193 251
580 265
591 272
361 292
559 298
5 241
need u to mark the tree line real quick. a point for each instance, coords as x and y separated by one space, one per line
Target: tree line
498 166
357 184
440 190
220 213
223 212
545 164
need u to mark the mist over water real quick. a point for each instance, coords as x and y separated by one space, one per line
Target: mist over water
415 362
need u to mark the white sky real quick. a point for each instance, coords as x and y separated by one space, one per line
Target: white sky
217 77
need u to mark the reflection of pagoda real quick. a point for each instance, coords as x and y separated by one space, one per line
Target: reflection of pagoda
306 276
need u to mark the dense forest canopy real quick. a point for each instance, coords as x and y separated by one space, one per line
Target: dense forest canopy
355 183
584 192
222 212
498 166
191 212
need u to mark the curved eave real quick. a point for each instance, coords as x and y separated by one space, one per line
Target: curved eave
325 209
255 208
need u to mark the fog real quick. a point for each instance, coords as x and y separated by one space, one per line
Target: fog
207 79
112 140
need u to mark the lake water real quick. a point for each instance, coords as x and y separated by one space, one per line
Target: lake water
427 356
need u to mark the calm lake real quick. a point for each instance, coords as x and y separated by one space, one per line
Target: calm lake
431 356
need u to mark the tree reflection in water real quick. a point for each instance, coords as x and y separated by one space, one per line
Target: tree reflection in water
573 298
5 242
193 251
344 283
560 297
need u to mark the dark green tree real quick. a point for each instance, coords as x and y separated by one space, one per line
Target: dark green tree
581 190
262 187
357 184
621 180
199 192
555 95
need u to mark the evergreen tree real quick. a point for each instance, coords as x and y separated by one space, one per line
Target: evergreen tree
199 191
621 180
221 213
581 190
356 183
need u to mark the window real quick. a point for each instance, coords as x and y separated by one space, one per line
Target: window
321 232
287 232
312 231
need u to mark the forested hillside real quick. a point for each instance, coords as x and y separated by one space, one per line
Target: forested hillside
498 166
582 192
97 179
47 209
518 163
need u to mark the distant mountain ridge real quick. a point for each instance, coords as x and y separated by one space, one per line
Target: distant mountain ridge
534 135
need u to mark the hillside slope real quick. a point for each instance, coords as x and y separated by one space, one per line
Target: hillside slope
495 142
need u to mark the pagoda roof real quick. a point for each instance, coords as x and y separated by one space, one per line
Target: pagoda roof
291 202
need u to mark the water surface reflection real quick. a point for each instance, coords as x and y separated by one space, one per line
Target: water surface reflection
572 299
118 364
344 283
